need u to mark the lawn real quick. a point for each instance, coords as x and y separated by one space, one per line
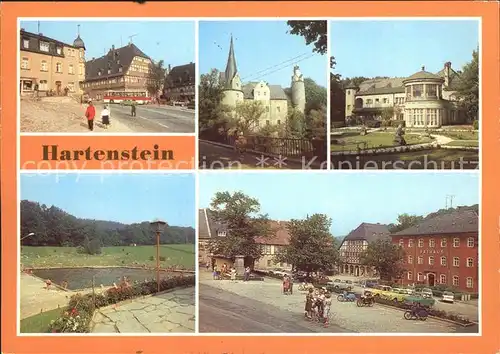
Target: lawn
464 143
350 140
40 323
175 255
460 135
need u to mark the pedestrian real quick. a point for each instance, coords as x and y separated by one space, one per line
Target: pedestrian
246 277
309 303
90 114
133 113
105 117
326 310
233 274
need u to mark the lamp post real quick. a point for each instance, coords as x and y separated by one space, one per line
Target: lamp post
157 226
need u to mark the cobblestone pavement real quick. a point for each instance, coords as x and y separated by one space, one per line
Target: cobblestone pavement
169 312
376 319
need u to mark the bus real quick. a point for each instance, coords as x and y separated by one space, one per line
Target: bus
127 97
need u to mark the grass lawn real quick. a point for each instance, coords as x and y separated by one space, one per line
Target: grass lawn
416 160
349 140
40 323
175 255
464 143
460 135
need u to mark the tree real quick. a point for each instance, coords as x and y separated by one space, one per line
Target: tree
312 246
316 123
468 87
156 78
405 221
387 114
316 95
314 32
337 98
385 257
295 124
246 117
210 109
241 216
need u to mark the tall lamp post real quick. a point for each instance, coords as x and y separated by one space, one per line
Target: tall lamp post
158 225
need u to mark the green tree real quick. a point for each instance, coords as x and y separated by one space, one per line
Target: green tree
387 115
316 95
295 124
312 247
468 87
314 32
316 123
405 221
156 79
337 98
211 112
246 117
241 216
385 257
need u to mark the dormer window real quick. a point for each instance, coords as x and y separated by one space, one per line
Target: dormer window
109 71
99 73
59 50
118 61
26 43
221 233
120 69
44 46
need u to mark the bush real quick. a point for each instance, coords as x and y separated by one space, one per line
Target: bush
371 123
475 125
81 307
396 123
163 259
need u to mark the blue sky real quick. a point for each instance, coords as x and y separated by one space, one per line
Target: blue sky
126 198
261 49
401 48
173 42
348 198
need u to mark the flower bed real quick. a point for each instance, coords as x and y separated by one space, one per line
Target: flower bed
78 317
432 311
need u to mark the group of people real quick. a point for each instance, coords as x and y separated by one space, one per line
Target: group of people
219 272
318 302
90 114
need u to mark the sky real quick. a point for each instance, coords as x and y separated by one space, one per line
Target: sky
401 48
263 51
126 198
348 198
173 41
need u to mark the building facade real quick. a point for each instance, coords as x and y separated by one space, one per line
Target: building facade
272 97
209 228
355 243
442 250
121 69
422 100
50 67
180 83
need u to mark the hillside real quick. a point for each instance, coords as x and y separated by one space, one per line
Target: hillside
53 226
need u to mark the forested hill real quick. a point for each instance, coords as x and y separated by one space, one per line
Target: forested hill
53 226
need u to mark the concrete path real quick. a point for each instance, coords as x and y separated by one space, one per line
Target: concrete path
169 312
441 139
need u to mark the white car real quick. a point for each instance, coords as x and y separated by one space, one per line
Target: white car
427 293
448 297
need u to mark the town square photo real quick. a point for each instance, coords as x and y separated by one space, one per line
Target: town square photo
263 94
406 97
107 76
321 252
107 253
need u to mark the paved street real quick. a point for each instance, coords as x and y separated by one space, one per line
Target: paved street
217 157
154 118
169 312
344 316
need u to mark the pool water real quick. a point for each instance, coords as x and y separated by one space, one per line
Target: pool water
81 278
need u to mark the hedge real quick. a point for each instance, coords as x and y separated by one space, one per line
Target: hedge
438 291
78 317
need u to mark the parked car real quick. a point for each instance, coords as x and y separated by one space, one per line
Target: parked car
448 296
427 293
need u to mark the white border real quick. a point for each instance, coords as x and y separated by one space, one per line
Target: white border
328 97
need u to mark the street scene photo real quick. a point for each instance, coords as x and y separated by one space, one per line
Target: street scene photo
407 98
262 95
97 256
107 76
359 259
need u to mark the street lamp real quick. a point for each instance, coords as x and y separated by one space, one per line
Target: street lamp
158 225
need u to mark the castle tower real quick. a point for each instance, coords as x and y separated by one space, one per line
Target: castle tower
350 99
80 45
298 90
232 93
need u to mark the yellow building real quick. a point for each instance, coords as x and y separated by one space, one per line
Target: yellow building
49 66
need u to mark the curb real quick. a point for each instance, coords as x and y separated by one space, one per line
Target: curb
105 267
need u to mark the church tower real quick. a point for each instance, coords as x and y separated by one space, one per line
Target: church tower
298 90
350 99
232 93
80 45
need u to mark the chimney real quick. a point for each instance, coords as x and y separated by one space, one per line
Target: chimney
447 69
113 47
169 68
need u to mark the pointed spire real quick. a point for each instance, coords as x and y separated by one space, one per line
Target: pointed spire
231 68
78 31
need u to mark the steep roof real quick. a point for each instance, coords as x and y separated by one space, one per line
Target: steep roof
180 75
280 238
231 68
276 91
368 232
113 60
460 220
454 78
381 86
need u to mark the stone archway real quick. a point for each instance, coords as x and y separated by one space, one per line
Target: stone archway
431 279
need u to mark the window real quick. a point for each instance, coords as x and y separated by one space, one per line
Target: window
278 109
42 85
431 260
470 283
456 242
410 276
71 69
401 243
432 243
278 121
25 63
420 242
410 259
470 262
470 242
59 50
456 262
420 277
268 122
432 116
417 90
26 43
385 100
44 46
455 280
58 68
109 71
44 66
267 249
120 69
443 242
267 108
71 86
431 90
443 261
420 260
442 279
221 233
410 243
80 69
269 263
